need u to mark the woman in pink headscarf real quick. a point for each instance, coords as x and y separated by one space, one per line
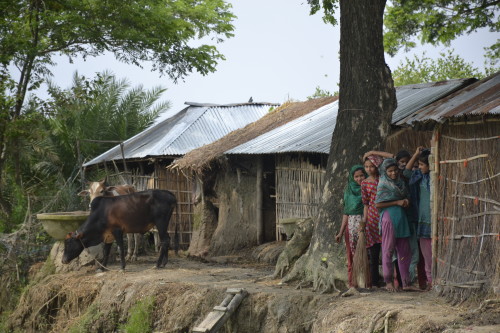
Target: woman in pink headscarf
371 216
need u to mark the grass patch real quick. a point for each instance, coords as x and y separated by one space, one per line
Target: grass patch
84 324
47 269
140 316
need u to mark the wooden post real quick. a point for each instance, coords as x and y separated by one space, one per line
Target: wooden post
82 169
123 157
434 164
259 203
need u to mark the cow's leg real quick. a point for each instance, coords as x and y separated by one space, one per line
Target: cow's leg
157 240
137 244
130 247
119 241
106 250
164 242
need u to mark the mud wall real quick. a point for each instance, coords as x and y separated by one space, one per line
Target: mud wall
236 227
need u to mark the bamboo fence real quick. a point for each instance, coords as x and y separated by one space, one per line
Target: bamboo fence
299 187
466 204
468 209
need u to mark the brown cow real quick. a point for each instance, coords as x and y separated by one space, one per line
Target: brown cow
110 217
102 189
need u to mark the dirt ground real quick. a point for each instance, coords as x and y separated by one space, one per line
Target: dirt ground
187 290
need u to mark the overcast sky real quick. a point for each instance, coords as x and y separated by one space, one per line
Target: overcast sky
279 52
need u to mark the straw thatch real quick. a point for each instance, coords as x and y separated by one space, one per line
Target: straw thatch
201 158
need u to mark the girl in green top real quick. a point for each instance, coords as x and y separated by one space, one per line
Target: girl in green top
353 213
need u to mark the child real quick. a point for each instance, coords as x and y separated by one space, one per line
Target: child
420 195
353 211
371 216
391 200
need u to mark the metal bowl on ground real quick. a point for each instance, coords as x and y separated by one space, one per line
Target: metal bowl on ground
58 224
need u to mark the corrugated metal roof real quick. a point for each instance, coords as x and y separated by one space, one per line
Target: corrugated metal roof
482 97
313 132
191 128
309 133
415 96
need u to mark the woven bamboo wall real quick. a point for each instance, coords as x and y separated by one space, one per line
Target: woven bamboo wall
468 253
407 139
468 226
181 187
299 186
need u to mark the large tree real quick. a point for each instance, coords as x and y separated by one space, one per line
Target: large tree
135 31
367 100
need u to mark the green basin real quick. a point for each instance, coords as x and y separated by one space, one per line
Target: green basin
58 224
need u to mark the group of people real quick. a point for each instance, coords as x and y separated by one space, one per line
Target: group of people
388 199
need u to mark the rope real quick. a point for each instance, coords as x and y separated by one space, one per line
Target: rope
464 159
358 110
452 218
475 182
97 261
473 139
479 199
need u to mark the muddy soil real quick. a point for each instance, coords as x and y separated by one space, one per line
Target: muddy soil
187 290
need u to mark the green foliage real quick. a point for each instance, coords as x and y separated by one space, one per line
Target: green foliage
329 8
318 93
161 32
104 109
424 69
135 31
140 317
436 21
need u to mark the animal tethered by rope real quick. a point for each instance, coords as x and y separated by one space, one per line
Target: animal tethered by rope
360 267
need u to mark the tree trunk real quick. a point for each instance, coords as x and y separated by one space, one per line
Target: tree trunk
367 101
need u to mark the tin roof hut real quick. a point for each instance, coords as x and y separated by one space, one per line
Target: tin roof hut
465 131
141 160
293 154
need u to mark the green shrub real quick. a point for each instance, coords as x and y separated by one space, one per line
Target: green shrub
85 323
140 318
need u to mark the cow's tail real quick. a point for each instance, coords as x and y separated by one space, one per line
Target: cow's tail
176 234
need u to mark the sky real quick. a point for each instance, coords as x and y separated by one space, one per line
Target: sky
279 52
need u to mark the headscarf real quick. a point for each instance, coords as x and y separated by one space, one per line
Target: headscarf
375 159
390 189
353 205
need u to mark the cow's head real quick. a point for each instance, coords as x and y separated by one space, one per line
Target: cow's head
95 189
73 246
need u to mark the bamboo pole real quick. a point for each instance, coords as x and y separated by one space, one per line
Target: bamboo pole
434 209
259 199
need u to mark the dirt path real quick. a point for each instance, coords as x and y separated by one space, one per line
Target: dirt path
187 290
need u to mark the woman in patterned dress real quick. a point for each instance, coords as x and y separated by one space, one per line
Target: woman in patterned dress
371 216
353 212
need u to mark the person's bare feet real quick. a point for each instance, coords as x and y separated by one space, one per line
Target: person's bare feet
390 287
411 288
428 287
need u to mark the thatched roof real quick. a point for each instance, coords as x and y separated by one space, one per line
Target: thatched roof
200 159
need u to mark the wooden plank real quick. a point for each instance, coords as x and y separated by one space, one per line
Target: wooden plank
216 319
220 308
211 320
200 329
234 290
